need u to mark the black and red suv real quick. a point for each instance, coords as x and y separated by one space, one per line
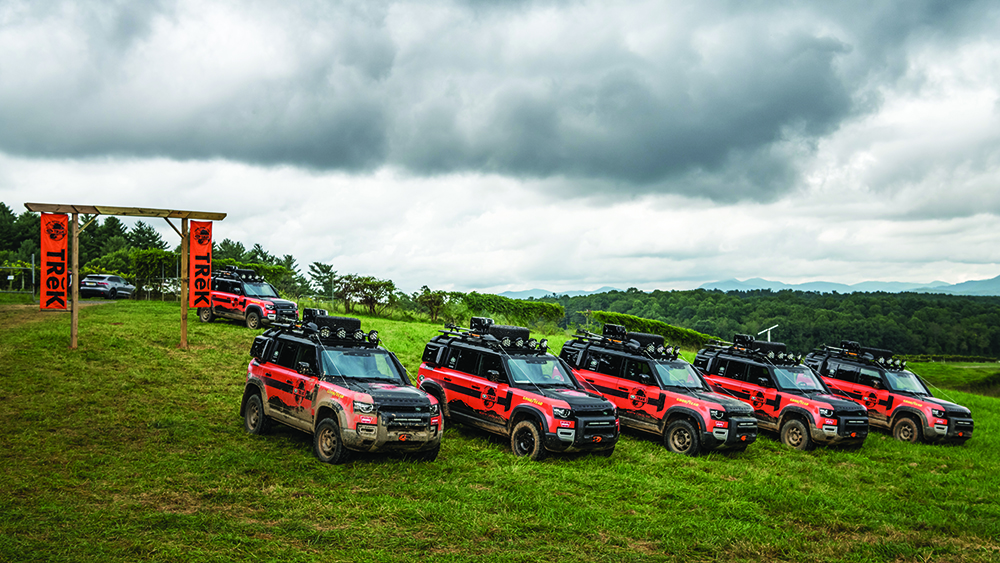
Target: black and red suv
326 377
787 396
244 296
656 391
897 399
499 379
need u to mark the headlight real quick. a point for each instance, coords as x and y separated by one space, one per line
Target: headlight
717 415
937 413
826 412
269 306
364 408
562 413
435 408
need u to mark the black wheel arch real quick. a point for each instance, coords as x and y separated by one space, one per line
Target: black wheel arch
252 388
798 413
331 410
435 389
908 412
525 412
255 309
686 413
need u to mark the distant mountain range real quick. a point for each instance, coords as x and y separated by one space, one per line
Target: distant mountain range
976 287
536 293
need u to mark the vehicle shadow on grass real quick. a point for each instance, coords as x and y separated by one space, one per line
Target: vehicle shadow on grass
291 439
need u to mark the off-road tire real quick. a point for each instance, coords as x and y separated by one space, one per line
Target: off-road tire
254 419
526 440
605 453
795 435
253 320
906 430
328 444
681 437
206 315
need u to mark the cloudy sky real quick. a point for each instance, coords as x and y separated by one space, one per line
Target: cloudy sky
513 145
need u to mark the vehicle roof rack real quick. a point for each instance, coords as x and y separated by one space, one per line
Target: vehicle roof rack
855 351
317 325
616 337
483 331
232 272
746 345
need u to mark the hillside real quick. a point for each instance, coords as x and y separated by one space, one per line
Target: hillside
129 449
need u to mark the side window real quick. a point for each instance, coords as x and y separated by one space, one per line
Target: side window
289 352
276 351
844 372
608 364
735 369
307 354
491 367
636 369
755 373
468 361
869 377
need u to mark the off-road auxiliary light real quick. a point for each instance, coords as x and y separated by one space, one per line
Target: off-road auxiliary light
746 345
483 331
617 337
232 272
876 356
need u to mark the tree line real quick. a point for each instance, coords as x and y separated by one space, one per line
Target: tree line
907 323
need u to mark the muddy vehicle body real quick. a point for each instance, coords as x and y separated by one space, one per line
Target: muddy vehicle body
786 396
658 392
499 379
326 377
898 401
242 295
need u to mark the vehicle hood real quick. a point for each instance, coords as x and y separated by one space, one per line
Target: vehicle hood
576 398
732 406
390 393
283 303
950 408
841 405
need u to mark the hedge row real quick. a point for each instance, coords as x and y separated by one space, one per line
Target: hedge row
514 310
947 358
272 273
674 336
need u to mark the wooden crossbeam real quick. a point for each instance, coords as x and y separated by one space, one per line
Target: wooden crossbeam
124 211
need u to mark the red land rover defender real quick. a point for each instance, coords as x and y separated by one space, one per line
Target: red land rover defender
326 377
656 391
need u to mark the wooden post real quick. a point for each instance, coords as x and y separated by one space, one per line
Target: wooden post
185 298
74 323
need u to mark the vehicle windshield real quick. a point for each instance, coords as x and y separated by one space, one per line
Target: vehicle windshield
540 371
678 374
906 380
360 364
259 289
797 377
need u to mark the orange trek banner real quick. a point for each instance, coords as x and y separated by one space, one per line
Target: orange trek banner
55 231
201 264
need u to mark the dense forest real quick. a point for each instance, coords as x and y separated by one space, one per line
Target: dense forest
907 323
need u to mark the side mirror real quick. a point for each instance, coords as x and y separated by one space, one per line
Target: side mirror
764 382
493 375
305 369
645 378
237 291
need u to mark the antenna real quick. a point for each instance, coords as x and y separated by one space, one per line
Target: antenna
768 331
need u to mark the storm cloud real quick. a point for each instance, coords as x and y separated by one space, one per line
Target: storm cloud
720 99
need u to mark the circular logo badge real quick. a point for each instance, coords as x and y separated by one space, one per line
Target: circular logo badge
870 400
489 398
758 400
638 397
56 230
202 235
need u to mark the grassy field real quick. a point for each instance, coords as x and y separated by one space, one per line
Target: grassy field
129 449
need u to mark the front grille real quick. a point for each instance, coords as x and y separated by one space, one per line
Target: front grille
396 420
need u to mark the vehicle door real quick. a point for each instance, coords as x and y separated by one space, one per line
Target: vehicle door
603 371
728 377
222 296
286 388
462 384
494 387
304 376
645 401
765 398
876 396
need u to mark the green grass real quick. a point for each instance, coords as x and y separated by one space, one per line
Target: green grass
129 449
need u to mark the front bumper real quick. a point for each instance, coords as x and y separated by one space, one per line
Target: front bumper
957 430
849 431
419 433
590 434
741 432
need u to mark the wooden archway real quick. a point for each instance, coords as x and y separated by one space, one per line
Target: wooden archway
167 214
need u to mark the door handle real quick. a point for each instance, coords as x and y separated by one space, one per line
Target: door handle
447 378
590 380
